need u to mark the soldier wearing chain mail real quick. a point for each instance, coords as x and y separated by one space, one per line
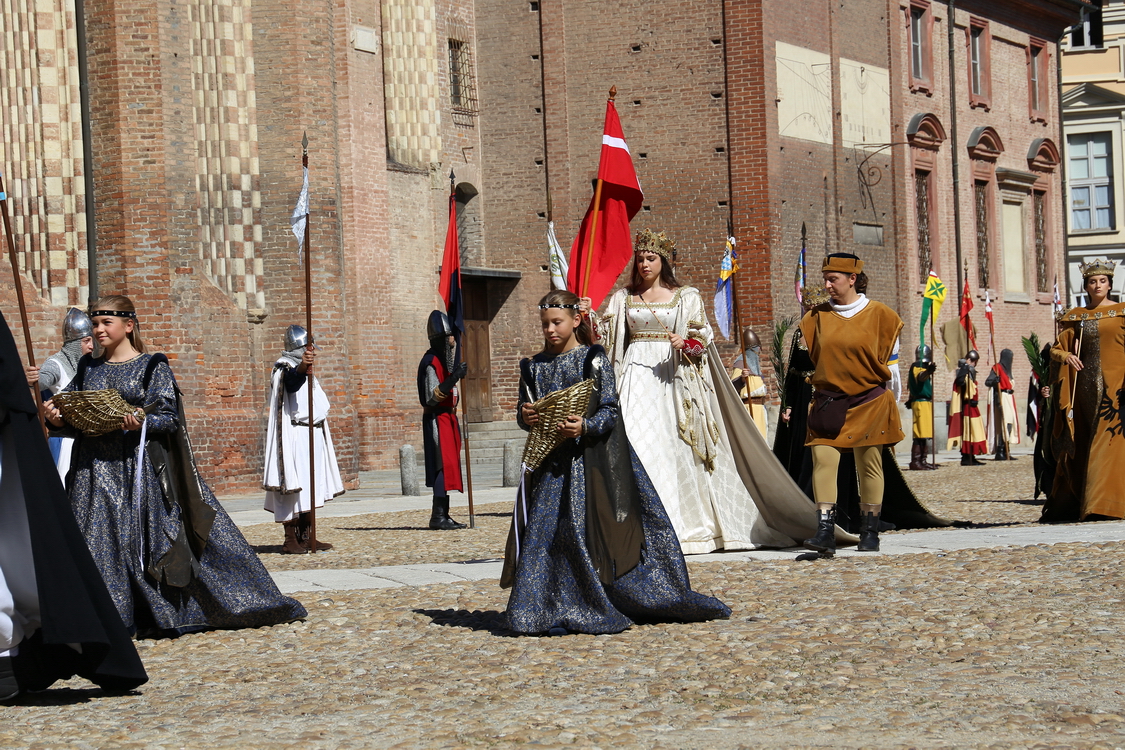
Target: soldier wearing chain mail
747 379
58 370
289 493
438 375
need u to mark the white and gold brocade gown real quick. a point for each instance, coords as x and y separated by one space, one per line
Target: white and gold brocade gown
710 510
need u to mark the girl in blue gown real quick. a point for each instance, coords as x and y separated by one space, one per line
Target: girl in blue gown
171 557
592 549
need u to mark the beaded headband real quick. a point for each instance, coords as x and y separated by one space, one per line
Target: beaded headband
649 241
114 313
559 305
1097 268
842 263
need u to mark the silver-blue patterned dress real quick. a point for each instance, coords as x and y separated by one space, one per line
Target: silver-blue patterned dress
555 582
231 588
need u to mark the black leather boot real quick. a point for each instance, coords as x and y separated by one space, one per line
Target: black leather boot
825 540
439 516
869 529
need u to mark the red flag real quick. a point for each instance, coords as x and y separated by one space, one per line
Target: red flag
621 198
449 284
966 306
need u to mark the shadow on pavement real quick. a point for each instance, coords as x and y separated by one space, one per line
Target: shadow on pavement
491 620
66 696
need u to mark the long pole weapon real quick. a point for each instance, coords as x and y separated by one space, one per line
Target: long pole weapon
594 221
308 373
19 296
1074 385
464 406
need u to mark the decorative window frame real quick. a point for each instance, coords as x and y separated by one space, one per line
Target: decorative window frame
984 146
1038 88
925 134
983 100
1043 159
923 84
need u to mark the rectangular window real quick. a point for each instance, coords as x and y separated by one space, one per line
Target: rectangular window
1012 216
1087 34
1039 207
922 220
980 53
1091 182
920 29
462 84
1037 79
982 213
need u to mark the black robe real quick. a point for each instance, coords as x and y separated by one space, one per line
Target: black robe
75 606
900 505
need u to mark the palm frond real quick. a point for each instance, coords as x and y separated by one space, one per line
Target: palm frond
1034 352
781 329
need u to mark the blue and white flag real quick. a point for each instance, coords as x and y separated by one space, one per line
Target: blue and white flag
724 290
300 216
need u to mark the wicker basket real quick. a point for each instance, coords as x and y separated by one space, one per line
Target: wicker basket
552 409
95 412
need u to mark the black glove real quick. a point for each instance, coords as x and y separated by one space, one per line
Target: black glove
458 373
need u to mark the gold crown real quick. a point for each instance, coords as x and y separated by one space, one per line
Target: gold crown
649 241
1097 268
812 296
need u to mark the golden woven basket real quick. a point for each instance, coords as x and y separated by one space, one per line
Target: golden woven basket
552 409
94 412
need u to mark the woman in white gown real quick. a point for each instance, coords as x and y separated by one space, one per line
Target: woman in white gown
657 335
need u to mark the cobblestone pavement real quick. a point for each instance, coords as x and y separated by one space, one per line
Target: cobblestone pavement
1012 647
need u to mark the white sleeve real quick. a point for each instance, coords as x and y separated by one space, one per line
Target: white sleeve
895 383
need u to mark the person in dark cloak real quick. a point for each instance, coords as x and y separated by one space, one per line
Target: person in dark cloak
438 375
1039 424
57 619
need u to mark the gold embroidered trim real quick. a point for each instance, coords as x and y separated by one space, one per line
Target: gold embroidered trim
675 301
648 336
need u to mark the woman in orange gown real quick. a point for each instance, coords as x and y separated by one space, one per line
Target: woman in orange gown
1088 422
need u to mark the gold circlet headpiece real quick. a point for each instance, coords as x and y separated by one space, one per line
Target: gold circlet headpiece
648 241
1097 268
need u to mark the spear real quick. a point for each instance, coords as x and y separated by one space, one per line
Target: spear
461 351
19 296
308 371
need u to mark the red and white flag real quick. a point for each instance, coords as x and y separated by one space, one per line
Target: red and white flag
593 272
988 309
1058 300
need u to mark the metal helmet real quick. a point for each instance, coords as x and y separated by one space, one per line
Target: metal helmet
750 339
296 337
972 356
924 354
76 325
438 326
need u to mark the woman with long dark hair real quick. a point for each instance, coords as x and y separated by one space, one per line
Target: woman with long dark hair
656 334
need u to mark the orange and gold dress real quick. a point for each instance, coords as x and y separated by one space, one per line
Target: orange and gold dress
1088 429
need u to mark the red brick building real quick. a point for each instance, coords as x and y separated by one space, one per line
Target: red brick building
759 116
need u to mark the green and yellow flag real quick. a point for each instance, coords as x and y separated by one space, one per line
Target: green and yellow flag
931 303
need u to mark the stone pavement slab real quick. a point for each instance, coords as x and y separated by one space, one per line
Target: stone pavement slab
941 540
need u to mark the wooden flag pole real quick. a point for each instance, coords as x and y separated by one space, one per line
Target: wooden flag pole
594 221
308 371
464 407
19 296
933 390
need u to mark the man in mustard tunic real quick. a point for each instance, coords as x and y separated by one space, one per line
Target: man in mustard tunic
851 339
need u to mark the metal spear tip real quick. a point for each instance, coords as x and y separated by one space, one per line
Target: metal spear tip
612 93
305 140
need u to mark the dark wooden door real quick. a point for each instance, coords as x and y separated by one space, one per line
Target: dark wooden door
477 350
